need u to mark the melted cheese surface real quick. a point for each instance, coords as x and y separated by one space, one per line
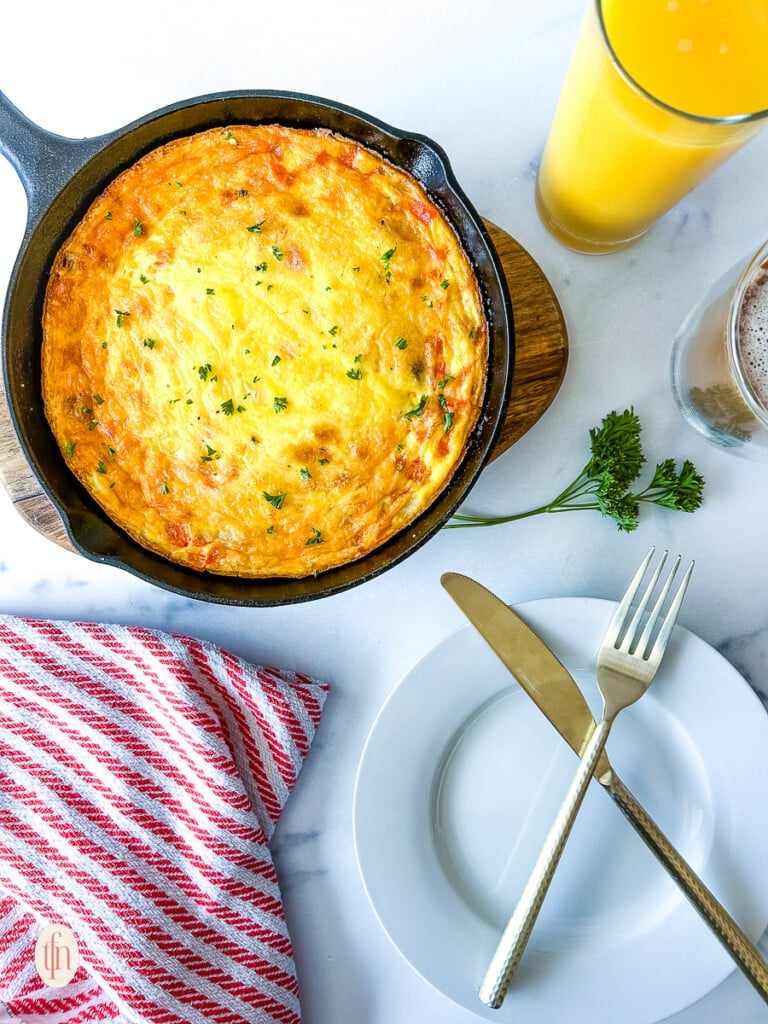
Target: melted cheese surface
263 351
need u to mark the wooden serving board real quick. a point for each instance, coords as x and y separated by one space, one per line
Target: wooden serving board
541 339
541 357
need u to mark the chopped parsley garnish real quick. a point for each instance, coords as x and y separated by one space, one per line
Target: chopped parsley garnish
401 343
100 467
305 474
333 331
209 291
69 448
149 343
204 371
276 360
417 410
120 314
137 227
387 261
280 404
210 454
277 252
445 380
260 266
108 215
98 399
143 278
164 488
276 500
255 229
444 284
316 538
447 413
355 374
228 407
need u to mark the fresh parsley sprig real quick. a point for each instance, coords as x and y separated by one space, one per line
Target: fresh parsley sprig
605 482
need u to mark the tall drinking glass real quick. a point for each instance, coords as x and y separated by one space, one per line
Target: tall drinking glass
658 94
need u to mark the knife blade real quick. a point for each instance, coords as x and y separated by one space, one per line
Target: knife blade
550 685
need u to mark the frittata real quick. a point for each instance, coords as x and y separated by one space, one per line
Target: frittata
264 351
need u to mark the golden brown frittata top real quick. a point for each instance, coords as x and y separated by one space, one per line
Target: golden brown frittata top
263 351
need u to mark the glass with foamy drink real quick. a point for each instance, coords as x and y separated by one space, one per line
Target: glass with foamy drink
720 361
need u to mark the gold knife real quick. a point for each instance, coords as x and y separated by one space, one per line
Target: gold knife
552 688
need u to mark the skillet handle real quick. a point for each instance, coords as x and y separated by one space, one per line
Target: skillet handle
43 161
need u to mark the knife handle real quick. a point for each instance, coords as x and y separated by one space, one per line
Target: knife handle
515 936
735 941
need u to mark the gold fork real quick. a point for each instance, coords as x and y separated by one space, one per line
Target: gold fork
628 660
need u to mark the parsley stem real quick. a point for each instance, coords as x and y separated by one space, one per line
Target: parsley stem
469 521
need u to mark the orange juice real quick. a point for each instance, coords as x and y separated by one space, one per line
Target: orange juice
658 94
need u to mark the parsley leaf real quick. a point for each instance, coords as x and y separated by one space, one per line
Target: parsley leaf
276 500
210 454
417 410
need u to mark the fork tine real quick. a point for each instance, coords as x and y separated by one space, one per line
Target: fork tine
642 646
622 612
630 635
666 627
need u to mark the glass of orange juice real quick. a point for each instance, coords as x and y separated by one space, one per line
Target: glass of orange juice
658 94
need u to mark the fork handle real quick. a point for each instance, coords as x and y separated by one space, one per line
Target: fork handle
515 936
737 943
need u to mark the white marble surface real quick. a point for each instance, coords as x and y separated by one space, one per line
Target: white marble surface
482 80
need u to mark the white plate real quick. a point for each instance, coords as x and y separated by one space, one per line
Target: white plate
458 784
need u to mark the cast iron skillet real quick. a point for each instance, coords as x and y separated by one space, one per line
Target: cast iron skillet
61 178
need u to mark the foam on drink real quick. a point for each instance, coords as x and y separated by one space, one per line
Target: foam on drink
753 335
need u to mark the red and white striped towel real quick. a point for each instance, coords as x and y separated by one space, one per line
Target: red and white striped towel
141 777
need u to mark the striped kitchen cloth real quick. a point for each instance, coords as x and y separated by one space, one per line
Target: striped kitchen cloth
142 775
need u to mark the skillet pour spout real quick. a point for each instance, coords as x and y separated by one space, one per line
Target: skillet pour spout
63 176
